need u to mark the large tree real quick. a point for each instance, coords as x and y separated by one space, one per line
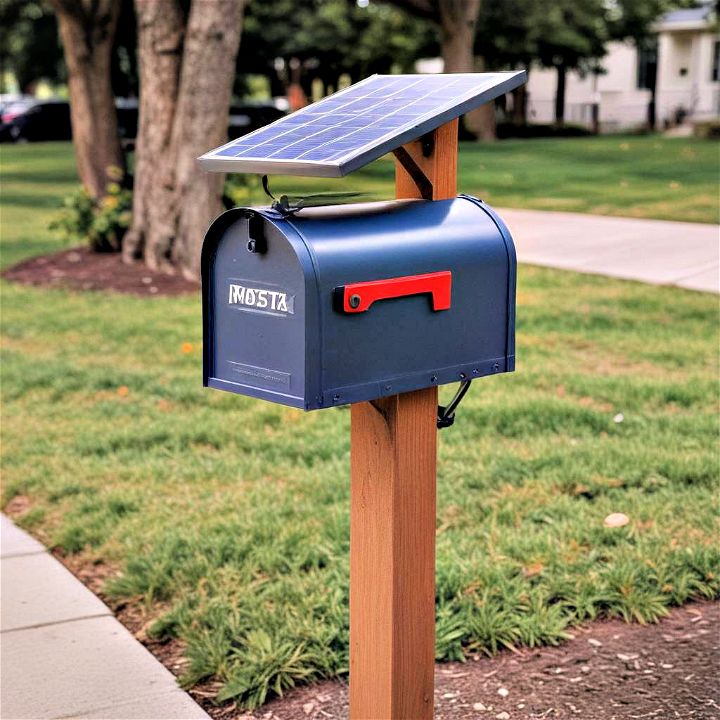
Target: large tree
506 34
330 38
456 21
187 62
87 29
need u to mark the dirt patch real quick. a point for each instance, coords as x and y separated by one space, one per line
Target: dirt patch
17 507
609 671
81 269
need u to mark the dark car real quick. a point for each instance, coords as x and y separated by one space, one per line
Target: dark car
33 120
8 99
127 119
241 120
246 118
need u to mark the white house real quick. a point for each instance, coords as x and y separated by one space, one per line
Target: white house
688 57
686 84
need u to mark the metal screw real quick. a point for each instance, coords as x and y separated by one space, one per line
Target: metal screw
336 398
463 376
496 367
354 301
433 378
388 387
476 371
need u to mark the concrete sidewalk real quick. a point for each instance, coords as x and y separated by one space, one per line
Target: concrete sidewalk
62 652
659 252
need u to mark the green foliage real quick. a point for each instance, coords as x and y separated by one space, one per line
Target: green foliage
31 45
229 518
329 38
707 130
638 176
98 223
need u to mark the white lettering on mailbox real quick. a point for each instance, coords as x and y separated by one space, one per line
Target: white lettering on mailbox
272 301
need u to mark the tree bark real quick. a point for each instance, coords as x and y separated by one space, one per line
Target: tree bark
161 28
519 109
183 113
560 95
458 20
201 119
87 29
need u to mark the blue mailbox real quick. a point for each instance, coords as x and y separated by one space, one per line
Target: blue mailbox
321 306
340 304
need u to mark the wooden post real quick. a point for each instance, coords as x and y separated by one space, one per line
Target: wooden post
392 525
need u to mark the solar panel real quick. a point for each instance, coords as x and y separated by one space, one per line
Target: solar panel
343 132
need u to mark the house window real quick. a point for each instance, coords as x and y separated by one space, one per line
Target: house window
716 62
647 65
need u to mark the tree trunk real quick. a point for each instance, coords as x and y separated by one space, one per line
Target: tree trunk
201 120
161 28
183 113
560 95
519 109
87 28
458 19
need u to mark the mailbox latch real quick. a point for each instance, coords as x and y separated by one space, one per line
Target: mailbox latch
358 297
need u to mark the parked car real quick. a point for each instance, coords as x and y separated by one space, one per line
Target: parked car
33 120
127 118
7 99
244 119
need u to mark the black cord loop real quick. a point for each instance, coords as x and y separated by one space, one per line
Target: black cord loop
446 413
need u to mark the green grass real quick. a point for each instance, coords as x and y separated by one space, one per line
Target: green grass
228 517
639 176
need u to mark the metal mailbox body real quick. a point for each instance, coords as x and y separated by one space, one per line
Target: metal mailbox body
278 296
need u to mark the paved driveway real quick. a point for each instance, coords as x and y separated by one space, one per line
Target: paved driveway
652 251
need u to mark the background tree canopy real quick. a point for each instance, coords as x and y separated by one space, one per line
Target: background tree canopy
300 48
330 38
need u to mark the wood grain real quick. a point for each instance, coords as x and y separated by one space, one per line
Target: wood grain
440 167
392 524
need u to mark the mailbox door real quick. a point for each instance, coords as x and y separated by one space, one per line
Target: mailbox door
255 314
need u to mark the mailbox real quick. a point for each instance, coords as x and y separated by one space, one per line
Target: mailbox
340 304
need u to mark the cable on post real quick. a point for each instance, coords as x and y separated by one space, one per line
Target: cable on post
446 413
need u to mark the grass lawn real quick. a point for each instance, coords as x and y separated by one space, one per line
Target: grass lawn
646 177
228 518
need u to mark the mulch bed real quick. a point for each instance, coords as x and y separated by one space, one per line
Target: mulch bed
81 269
609 671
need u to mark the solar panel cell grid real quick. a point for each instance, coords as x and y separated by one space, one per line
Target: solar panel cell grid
355 126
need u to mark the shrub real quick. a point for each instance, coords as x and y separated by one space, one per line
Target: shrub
708 130
101 222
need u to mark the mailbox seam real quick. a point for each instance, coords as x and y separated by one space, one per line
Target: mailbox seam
207 253
314 265
507 243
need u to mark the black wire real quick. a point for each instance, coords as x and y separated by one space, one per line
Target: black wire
446 414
